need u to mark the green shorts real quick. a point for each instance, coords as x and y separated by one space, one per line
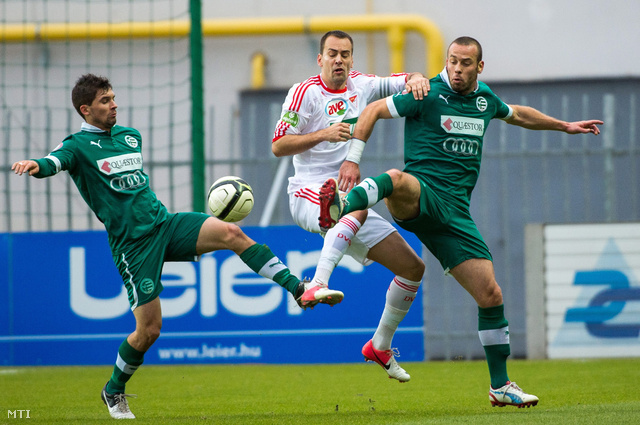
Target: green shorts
446 229
140 265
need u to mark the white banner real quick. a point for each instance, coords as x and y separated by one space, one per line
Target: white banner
592 290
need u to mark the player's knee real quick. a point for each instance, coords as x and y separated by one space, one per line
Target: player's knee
153 337
233 231
413 268
147 335
231 234
395 175
360 215
417 270
153 333
493 295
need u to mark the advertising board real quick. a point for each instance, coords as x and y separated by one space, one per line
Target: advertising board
592 290
62 302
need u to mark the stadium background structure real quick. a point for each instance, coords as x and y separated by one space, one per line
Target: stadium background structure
236 96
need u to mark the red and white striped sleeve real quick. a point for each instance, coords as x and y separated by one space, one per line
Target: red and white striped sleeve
295 109
379 87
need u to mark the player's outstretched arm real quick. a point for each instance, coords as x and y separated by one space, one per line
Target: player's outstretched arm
368 118
25 166
349 174
532 119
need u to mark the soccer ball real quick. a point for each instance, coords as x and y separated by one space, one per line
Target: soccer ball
230 199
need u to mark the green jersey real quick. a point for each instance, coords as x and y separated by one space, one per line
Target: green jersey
107 169
444 133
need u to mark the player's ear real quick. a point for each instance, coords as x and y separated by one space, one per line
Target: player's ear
84 110
480 67
319 60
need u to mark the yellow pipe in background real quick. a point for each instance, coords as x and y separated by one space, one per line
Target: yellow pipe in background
17 32
96 30
395 25
396 40
253 26
371 51
258 65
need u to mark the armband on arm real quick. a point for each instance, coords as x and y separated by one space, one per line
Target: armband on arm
355 151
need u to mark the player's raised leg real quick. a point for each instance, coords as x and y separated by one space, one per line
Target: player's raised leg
216 235
336 243
364 196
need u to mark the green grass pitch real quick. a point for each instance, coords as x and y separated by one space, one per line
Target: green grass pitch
571 392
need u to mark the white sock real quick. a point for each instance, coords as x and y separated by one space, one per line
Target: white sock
400 296
336 242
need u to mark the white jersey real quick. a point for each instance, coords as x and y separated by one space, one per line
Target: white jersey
311 106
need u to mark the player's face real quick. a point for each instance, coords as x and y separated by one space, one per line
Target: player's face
336 62
102 111
463 68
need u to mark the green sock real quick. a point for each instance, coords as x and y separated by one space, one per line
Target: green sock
368 193
128 361
493 330
261 260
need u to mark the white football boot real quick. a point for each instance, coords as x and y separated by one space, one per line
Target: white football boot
117 404
511 395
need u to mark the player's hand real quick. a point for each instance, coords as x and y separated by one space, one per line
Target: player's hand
25 166
589 126
348 176
419 86
339 132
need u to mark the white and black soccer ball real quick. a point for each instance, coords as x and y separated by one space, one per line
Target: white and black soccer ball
230 199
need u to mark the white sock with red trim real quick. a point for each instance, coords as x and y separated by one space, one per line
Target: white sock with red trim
336 242
400 296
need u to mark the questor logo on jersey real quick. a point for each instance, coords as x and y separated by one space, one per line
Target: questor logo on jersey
336 107
462 125
120 163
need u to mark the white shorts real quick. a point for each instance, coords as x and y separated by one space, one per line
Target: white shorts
305 209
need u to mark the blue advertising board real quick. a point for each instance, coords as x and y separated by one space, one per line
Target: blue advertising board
62 302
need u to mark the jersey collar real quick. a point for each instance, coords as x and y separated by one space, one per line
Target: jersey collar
445 77
91 128
324 86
